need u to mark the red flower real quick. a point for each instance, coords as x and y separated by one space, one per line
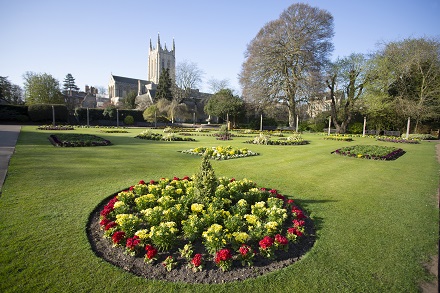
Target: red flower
131 188
185 178
197 260
142 182
110 225
152 182
281 240
263 189
290 202
151 251
132 242
244 249
223 255
232 180
298 223
266 242
281 197
176 178
118 236
104 222
273 191
295 231
298 212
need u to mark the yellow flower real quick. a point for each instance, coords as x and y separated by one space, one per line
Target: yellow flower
197 207
251 219
118 204
240 237
142 234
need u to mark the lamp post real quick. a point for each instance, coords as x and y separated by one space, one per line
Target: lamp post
329 124
365 124
117 117
88 124
261 122
407 127
53 115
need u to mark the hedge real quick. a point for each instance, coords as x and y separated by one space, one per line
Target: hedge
14 113
43 113
97 114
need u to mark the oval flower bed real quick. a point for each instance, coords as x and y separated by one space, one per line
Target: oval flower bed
201 229
77 140
294 139
372 152
397 140
221 152
55 127
149 135
338 137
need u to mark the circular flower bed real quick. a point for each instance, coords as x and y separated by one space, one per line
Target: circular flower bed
200 229
77 140
372 152
221 152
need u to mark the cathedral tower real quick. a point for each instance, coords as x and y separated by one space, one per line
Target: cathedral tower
160 59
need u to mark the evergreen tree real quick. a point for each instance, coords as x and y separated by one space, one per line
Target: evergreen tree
205 182
164 86
69 84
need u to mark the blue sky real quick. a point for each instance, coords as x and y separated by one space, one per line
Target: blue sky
92 39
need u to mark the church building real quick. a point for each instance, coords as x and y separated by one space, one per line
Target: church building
159 59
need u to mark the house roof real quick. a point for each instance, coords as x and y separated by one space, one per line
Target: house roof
127 79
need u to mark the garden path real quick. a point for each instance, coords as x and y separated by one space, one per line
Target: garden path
8 139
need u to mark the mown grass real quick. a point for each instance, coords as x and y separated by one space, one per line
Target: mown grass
377 221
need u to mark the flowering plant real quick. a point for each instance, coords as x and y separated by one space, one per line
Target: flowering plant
132 245
169 263
223 259
186 251
246 255
221 152
196 263
150 253
167 214
267 247
281 242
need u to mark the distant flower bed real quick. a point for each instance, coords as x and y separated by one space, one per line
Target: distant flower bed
77 140
168 136
294 139
114 131
55 127
372 152
338 138
397 140
221 152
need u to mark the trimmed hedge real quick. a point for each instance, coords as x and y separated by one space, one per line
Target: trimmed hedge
43 112
97 114
14 113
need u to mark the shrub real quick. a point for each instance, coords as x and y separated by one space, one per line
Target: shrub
356 128
129 120
14 113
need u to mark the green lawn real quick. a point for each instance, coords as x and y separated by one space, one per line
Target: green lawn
377 221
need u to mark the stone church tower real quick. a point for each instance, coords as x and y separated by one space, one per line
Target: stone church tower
160 59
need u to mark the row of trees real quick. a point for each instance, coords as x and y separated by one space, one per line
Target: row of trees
288 64
39 88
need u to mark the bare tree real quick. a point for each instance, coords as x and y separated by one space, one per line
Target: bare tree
284 53
346 81
215 85
188 77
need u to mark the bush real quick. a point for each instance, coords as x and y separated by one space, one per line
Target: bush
129 120
43 112
356 128
14 113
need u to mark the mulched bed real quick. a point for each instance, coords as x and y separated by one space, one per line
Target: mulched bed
78 140
211 274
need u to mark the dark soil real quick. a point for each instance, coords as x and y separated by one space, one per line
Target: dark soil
210 274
